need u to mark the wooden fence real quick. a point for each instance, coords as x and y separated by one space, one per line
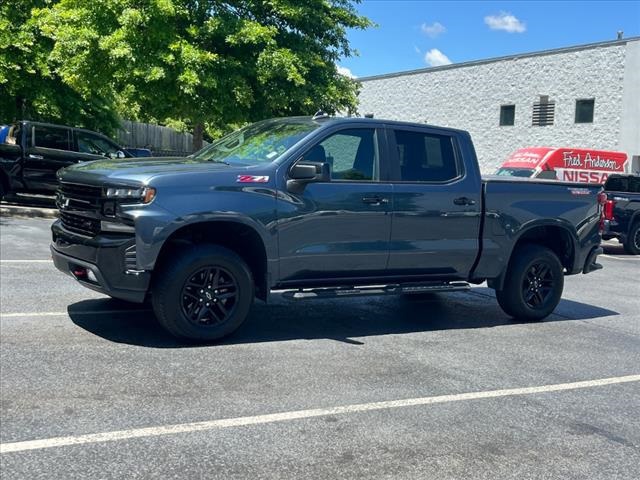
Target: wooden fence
163 141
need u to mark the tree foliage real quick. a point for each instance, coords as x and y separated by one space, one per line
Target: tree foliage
30 87
187 62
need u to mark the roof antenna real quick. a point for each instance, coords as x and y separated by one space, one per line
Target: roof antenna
368 115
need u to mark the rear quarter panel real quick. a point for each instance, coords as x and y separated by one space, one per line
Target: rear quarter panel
514 206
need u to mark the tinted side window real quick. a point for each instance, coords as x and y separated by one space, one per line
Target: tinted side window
548 174
88 143
51 137
352 154
426 157
623 184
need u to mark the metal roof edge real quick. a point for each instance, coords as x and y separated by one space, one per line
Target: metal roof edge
587 46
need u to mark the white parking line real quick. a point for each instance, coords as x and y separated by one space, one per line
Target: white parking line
58 314
27 261
618 258
299 414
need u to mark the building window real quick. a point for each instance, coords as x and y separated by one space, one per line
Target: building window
507 115
543 112
584 110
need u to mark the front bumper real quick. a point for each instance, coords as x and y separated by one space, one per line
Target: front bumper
105 256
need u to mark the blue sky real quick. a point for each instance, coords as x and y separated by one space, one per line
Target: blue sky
418 34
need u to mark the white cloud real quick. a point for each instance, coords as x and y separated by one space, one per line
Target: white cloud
433 30
345 71
417 50
435 58
505 21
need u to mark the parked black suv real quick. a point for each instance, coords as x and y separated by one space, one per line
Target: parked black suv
622 211
319 206
33 152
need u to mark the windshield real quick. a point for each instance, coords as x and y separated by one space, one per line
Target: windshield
515 172
260 142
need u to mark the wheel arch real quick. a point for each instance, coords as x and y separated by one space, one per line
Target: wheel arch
557 237
236 235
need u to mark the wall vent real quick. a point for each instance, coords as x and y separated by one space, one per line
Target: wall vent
543 112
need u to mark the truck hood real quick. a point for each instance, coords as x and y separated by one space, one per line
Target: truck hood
138 169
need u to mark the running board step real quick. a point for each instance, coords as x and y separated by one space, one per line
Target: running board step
305 294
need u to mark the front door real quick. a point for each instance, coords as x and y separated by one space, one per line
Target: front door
338 229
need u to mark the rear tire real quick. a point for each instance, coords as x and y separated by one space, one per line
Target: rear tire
533 284
632 245
203 294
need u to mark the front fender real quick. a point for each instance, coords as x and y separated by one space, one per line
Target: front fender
251 206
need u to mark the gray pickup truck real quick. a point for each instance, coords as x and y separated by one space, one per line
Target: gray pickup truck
319 207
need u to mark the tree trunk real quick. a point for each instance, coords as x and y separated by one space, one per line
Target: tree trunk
21 105
198 131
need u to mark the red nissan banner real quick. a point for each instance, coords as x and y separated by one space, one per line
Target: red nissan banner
569 164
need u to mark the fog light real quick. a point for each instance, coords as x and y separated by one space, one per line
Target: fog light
79 272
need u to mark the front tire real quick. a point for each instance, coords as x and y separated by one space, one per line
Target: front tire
533 284
632 245
204 294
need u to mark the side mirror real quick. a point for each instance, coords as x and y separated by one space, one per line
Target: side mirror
304 172
118 154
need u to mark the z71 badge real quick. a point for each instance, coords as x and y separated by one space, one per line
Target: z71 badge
252 179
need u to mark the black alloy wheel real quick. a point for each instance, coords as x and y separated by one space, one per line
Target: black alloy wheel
202 292
632 245
533 283
537 285
209 296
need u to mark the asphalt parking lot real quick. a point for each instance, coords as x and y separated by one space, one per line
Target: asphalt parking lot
442 386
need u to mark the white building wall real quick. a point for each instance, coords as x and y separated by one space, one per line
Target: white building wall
469 97
630 121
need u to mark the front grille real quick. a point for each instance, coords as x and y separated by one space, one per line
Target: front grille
73 196
79 224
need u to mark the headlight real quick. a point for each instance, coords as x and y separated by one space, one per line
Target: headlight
142 194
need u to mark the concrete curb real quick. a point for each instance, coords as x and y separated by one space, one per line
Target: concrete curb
16 211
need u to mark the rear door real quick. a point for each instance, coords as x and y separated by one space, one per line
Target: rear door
437 204
49 148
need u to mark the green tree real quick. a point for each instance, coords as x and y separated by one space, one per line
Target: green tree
195 62
30 87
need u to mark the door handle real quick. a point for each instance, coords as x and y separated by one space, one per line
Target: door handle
36 157
464 201
375 200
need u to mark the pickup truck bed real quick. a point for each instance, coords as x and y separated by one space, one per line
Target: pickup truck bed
563 216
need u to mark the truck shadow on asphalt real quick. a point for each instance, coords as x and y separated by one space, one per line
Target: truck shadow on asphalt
343 320
615 248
